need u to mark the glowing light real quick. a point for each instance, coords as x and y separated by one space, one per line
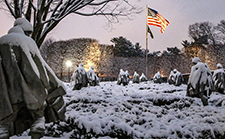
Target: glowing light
161 72
68 63
93 56
88 64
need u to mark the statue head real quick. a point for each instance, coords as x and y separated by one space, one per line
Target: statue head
81 65
219 66
175 70
91 67
195 60
25 25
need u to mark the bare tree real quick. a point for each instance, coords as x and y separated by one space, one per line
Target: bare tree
57 54
202 33
62 51
44 47
221 28
47 14
99 56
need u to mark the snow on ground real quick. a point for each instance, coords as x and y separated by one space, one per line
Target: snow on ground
144 110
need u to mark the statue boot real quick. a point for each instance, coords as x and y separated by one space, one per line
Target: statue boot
37 129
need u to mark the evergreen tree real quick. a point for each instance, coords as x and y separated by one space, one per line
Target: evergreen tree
124 47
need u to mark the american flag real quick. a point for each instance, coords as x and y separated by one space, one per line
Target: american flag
155 19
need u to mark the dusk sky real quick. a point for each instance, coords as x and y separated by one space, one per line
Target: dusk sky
180 14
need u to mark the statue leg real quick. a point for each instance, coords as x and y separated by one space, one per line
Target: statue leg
204 99
36 136
7 125
77 86
37 129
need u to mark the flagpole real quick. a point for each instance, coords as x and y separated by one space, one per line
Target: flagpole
146 40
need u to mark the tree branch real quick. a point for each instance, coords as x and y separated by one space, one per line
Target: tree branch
31 2
57 6
10 9
17 9
48 13
100 3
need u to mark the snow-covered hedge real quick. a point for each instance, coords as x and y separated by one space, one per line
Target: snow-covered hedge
144 110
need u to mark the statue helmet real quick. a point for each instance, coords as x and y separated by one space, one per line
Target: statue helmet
81 65
92 67
175 70
24 24
195 60
219 66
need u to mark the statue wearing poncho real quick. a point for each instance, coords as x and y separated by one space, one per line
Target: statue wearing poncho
30 92
200 81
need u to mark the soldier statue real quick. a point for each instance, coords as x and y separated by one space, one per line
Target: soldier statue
30 93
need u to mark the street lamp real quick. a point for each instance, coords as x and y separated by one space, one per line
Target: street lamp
68 64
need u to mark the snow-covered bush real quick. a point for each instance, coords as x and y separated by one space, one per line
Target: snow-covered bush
128 112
